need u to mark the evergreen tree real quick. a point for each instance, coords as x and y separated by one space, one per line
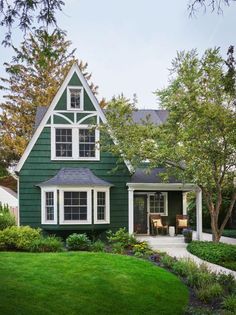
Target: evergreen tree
34 75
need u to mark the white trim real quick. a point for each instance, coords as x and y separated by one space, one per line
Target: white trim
89 206
107 205
18 198
86 117
162 186
75 143
131 210
185 205
199 213
43 208
68 98
74 68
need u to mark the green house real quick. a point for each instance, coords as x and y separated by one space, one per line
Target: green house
66 181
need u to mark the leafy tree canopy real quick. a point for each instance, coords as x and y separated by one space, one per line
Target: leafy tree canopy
24 14
198 142
195 6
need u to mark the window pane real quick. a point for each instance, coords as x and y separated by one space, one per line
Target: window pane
64 142
75 98
49 206
86 142
157 203
101 205
75 205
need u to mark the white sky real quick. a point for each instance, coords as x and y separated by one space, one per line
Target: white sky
129 45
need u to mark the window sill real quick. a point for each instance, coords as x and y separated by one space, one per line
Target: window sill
74 222
74 159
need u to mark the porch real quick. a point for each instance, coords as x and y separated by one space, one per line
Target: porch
165 199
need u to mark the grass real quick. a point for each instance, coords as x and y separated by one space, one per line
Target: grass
227 232
217 253
86 283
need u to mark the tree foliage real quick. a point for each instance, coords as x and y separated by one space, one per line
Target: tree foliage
195 6
25 13
198 142
34 75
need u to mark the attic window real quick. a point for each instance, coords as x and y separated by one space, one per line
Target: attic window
75 98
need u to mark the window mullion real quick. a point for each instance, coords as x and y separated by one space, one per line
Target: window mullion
75 143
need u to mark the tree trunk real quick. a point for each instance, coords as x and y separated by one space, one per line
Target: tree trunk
214 227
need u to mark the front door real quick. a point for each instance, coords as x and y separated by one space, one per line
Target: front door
140 214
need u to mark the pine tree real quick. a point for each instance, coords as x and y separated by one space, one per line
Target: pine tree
34 75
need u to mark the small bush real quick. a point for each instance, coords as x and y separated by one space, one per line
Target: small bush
199 279
46 244
142 249
228 282
78 242
18 238
184 267
118 248
98 246
122 236
213 252
229 303
6 220
209 293
167 261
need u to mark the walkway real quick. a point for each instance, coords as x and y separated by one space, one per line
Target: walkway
175 247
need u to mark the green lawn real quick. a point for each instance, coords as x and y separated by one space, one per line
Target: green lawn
84 283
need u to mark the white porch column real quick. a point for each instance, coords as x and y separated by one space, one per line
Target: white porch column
131 210
199 213
184 203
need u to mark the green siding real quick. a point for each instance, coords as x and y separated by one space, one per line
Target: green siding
39 167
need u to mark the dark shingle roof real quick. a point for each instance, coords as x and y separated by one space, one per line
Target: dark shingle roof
155 116
141 176
75 176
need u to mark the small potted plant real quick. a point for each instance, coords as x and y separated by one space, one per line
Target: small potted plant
188 235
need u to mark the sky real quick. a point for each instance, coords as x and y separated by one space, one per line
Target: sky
129 44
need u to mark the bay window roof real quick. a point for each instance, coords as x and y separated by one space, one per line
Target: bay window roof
75 176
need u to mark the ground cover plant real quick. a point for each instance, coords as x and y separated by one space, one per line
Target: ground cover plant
87 283
221 254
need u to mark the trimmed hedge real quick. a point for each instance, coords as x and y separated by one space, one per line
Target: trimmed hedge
216 253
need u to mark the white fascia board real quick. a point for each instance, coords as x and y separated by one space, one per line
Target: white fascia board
162 186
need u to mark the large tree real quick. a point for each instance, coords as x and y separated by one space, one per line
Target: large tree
34 75
24 14
198 142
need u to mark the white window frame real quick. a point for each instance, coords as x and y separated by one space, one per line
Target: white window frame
68 92
43 205
61 205
107 205
75 143
165 213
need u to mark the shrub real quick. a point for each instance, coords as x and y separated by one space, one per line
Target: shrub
199 279
6 220
167 261
78 242
184 267
46 244
229 303
18 238
213 252
123 237
98 246
209 293
228 282
118 248
142 249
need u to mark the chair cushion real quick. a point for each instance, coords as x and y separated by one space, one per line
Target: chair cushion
157 223
182 222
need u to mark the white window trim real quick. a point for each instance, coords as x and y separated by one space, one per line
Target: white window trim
74 87
165 194
107 206
89 205
43 205
75 143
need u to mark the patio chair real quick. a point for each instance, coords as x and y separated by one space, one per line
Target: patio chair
181 222
156 224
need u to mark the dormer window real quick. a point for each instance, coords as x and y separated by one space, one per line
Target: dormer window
75 98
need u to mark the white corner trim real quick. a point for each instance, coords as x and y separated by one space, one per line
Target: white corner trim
68 105
107 205
43 203
74 69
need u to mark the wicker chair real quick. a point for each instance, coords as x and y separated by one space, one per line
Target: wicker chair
155 227
180 227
